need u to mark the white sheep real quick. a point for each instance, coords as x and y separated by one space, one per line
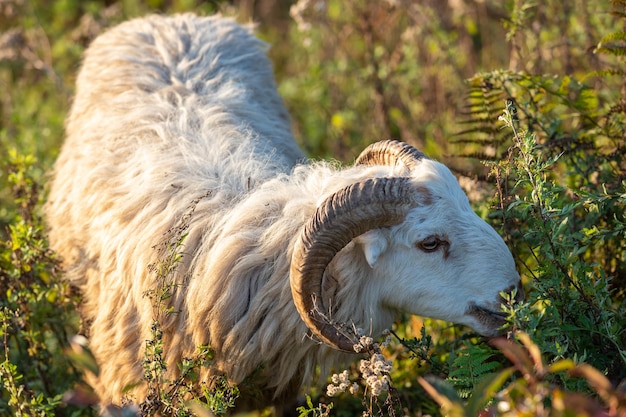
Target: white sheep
179 112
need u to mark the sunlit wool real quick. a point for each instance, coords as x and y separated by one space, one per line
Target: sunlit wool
175 112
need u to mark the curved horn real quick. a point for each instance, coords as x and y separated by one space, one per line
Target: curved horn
390 152
352 211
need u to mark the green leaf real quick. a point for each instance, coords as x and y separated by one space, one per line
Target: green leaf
444 394
486 390
562 365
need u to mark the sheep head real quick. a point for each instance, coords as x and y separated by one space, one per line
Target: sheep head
437 258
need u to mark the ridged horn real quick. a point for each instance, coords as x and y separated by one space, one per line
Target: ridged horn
350 212
390 152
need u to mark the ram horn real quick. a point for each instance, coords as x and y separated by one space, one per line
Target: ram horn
390 152
352 211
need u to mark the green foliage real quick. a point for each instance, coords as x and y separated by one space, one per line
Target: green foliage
36 308
574 309
560 110
322 410
531 392
186 394
362 71
558 170
471 365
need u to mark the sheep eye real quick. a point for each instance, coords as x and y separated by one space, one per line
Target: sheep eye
430 244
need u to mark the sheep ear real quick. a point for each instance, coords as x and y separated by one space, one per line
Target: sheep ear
374 244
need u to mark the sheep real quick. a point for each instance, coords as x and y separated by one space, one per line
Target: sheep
177 127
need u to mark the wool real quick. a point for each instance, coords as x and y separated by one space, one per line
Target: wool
168 111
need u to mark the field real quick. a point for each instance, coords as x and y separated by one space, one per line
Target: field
524 100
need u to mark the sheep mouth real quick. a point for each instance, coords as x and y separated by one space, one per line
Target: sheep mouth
490 321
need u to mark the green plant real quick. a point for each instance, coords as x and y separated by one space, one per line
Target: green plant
527 388
561 227
186 394
470 367
574 306
37 309
558 171
362 71
322 410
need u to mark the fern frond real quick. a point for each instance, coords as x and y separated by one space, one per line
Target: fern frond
486 101
605 73
484 119
469 111
613 37
480 156
470 366
611 50
481 127
486 141
477 129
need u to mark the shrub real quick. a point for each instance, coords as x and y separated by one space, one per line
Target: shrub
553 150
37 308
